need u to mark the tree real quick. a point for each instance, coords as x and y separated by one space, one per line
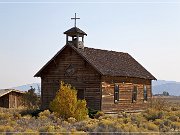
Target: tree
38 90
66 104
165 93
31 99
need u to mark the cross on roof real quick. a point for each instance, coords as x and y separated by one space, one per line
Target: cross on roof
75 20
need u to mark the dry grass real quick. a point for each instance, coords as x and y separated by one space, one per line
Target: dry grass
152 120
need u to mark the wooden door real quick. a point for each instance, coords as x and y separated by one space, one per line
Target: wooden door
80 93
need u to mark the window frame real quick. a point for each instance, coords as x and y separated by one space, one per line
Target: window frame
134 94
145 97
116 93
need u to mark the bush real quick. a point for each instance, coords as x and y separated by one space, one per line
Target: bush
47 129
159 104
6 128
17 115
108 126
5 116
66 104
177 114
2 129
45 113
138 120
173 118
81 111
126 120
92 113
132 128
167 123
152 114
31 132
174 108
32 112
71 120
175 125
99 114
152 126
158 121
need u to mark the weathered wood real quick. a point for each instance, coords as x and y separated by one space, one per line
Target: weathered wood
4 101
11 100
126 86
83 77
71 68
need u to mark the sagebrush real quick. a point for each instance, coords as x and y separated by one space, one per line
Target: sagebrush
67 105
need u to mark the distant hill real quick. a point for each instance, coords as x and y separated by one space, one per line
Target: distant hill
172 87
28 86
160 82
158 87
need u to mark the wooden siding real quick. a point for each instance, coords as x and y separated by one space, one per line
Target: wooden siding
126 86
15 99
4 101
11 100
71 68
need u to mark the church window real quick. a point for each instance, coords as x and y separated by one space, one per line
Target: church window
134 94
116 93
145 92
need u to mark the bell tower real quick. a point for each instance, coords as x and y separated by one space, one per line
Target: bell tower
75 35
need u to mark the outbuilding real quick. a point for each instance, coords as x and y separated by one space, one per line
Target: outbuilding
11 98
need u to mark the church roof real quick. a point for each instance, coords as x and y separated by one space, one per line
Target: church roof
74 31
109 63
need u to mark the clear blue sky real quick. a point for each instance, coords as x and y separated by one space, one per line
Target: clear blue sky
31 34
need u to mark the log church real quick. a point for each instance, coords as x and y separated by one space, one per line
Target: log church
109 81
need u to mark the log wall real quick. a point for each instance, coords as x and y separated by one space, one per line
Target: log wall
4 101
15 99
71 68
126 86
11 100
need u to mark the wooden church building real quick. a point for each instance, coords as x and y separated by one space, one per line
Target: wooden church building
109 81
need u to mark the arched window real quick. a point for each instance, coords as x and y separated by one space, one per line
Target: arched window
134 94
145 93
116 93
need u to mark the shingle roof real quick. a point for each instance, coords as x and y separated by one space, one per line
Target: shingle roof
6 91
109 63
75 30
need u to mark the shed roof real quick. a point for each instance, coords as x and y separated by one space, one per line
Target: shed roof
6 91
109 63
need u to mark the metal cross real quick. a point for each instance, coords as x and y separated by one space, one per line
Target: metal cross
75 20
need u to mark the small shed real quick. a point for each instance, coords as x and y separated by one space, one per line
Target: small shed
11 98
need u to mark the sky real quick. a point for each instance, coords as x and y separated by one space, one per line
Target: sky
31 33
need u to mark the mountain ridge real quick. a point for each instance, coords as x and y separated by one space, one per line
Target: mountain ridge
172 87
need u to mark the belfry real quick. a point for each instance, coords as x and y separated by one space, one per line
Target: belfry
75 36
